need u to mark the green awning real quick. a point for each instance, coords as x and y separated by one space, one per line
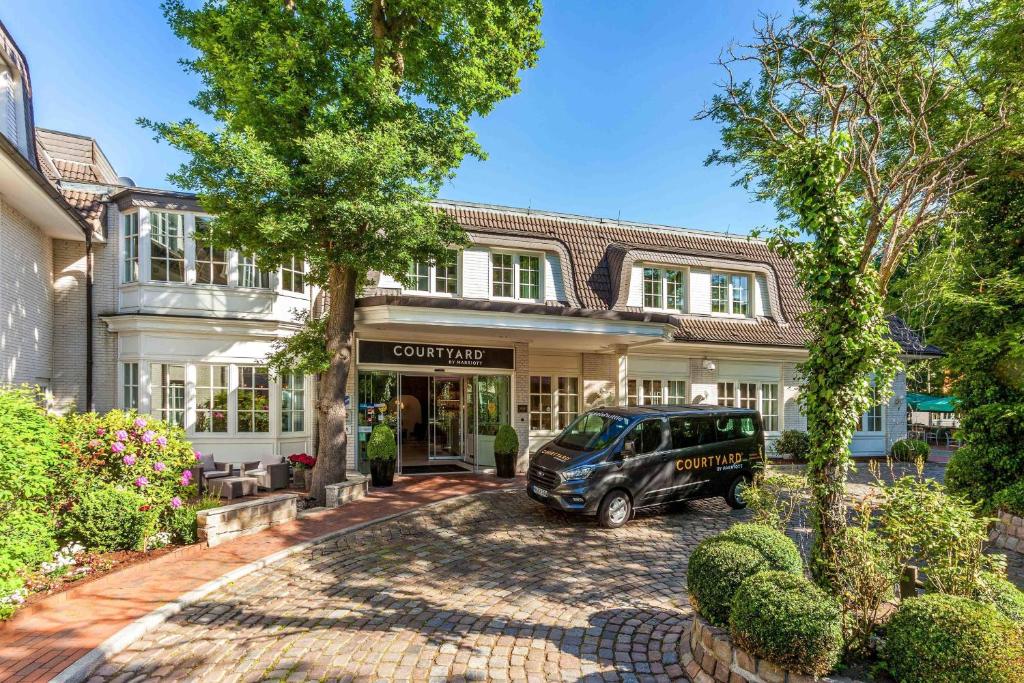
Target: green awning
932 404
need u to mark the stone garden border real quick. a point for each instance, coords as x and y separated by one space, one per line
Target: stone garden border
709 656
1008 532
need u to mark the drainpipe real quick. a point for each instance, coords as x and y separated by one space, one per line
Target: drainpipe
88 322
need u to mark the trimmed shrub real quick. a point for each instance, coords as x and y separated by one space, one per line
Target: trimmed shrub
793 443
507 441
998 591
717 567
786 619
29 457
181 522
109 518
776 547
950 639
910 450
1010 499
381 445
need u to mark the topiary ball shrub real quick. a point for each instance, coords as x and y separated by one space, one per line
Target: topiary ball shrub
382 445
108 518
786 619
793 443
776 547
718 565
940 638
1002 594
506 442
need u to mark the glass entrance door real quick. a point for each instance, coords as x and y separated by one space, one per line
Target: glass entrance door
490 410
445 418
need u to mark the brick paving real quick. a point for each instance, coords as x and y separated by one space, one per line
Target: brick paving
494 587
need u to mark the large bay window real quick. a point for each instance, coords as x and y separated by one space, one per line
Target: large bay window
211 261
730 294
554 402
211 398
130 236
664 289
293 275
249 275
168 393
438 277
292 402
516 276
253 399
760 396
167 246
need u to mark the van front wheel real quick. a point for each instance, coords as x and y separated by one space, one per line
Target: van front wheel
734 496
615 510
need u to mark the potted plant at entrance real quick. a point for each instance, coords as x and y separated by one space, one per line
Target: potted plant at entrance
303 466
506 449
381 451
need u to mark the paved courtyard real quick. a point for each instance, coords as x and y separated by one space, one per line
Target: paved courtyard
491 587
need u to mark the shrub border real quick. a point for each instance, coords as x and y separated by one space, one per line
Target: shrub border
708 654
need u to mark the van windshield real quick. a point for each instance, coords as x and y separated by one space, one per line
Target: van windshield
592 431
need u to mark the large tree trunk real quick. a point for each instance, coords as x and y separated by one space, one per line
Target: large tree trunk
331 410
826 475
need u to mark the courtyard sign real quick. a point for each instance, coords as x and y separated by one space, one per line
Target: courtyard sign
441 355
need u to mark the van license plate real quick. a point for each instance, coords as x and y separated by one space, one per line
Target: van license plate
540 492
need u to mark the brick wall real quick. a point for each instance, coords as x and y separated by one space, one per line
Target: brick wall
69 345
599 376
26 300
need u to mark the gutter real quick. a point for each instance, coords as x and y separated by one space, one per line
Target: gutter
88 323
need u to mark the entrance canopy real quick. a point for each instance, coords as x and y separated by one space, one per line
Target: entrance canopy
932 404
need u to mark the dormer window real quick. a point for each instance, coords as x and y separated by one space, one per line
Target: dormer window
438 277
730 294
664 289
515 276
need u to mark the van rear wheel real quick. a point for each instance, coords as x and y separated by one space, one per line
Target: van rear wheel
615 510
734 496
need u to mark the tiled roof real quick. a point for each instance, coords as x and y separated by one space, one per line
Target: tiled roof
76 171
88 204
909 340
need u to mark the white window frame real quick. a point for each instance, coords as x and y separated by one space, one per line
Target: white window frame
130 242
250 414
640 390
293 385
517 281
166 411
730 309
154 232
211 261
552 400
663 273
247 264
130 385
208 384
431 276
764 400
293 272
863 423
739 396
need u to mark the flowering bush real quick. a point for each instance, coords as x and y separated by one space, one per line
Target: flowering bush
133 452
302 460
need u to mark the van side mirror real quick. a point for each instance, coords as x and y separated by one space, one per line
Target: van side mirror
628 449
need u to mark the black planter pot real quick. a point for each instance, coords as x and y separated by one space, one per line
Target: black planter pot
506 465
382 472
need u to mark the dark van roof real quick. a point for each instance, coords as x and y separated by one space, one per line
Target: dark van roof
698 409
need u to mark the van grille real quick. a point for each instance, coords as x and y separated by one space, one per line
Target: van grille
543 477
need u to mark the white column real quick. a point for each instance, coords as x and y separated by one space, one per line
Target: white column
144 251
190 248
621 374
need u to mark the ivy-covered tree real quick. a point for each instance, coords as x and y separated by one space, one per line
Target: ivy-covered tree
858 124
337 122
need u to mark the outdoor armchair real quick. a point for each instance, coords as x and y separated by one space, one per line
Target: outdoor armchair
272 476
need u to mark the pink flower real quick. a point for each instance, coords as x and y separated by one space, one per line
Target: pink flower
199 456
121 435
128 460
100 431
161 441
117 446
148 436
139 422
159 466
175 502
141 482
186 477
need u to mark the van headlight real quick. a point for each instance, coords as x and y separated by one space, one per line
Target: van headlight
578 473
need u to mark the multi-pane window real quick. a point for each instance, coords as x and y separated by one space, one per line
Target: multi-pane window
747 395
212 398
211 261
675 390
168 392
293 275
726 394
293 401
502 275
871 421
249 275
130 268
130 386
167 246
253 399
439 277
770 407
645 392
516 276
567 401
664 288
540 403
730 294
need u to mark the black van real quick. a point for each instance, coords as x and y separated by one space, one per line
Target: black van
611 461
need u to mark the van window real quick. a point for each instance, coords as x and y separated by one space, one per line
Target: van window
735 427
688 432
647 436
592 431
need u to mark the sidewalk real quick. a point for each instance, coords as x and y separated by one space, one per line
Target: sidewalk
50 635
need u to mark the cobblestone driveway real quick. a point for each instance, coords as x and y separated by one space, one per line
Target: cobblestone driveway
493 587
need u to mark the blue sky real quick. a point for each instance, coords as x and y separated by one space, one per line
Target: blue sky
603 126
